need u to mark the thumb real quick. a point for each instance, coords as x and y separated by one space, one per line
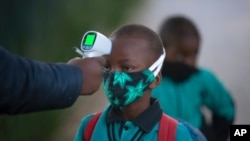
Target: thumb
73 59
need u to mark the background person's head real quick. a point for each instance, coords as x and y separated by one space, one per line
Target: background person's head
181 39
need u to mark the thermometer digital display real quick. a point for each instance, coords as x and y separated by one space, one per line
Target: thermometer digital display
89 41
94 44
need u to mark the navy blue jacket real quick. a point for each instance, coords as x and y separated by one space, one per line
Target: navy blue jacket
28 86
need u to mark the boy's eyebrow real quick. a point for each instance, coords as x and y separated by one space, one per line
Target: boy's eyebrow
125 60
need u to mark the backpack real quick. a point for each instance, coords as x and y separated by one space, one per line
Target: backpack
167 129
195 133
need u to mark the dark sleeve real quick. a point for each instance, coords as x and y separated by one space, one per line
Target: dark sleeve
218 130
28 86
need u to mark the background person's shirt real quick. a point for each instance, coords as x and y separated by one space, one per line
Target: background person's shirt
184 99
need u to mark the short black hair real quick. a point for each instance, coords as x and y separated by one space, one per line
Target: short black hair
173 26
141 31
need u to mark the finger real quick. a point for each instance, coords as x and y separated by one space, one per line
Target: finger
101 60
73 59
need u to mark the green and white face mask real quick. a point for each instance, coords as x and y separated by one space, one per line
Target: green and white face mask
122 88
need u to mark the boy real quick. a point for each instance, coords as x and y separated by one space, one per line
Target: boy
185 87
134 70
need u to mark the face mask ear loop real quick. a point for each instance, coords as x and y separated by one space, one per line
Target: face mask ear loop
156 67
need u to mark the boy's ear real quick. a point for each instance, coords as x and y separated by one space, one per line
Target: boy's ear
156 82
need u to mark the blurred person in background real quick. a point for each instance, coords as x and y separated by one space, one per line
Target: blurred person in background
28 85
186 88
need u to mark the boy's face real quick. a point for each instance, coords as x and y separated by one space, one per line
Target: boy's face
188 42
129 54
185 46
129 77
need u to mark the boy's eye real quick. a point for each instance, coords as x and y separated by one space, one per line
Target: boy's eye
127 68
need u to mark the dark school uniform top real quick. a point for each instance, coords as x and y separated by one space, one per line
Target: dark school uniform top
111 126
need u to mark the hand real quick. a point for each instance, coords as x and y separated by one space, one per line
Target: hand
92 69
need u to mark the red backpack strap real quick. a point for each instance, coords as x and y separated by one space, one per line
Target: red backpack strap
167 128
91 126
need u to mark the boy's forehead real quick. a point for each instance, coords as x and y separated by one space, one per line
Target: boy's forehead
129 47
126 42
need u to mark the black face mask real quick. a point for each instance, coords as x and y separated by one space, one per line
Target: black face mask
178 71
122 88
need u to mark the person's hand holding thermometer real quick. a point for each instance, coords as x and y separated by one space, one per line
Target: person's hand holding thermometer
94 45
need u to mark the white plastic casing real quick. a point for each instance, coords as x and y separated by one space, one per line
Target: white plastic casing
101 45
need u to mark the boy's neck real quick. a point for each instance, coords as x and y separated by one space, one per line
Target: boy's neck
135 109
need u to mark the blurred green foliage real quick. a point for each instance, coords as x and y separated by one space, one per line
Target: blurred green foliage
47 30
29 127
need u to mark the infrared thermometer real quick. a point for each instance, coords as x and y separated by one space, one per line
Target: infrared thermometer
94 44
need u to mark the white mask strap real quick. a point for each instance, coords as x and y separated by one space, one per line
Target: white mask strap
156 67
